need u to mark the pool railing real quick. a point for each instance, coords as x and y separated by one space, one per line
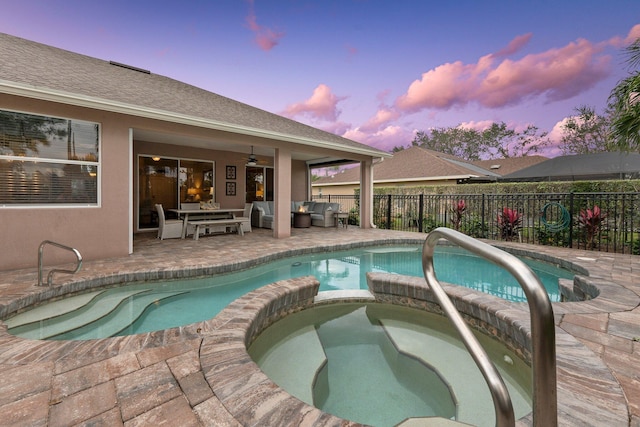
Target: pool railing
545 402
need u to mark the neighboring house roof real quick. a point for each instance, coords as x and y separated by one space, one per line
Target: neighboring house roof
510 164
615 165
412 164
44 72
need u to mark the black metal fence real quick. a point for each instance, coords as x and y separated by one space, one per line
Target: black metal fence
608 222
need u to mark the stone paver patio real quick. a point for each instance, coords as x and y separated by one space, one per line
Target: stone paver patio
158 378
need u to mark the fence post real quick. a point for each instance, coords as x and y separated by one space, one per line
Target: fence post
484 233
420 212
571 219
389 212
633 201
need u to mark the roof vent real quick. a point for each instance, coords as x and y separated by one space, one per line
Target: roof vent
494 167
129 67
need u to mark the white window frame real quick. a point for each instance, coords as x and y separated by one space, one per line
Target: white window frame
97 164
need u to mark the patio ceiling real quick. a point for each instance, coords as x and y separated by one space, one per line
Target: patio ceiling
235 147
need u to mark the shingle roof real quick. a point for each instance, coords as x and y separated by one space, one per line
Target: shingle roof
37 66
511 164
412 164
614 165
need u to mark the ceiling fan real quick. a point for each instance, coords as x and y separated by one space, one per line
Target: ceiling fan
252 160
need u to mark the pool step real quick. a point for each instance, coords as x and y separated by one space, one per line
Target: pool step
52 309
296 375
365 372
117 320
455 365
77 312
72 319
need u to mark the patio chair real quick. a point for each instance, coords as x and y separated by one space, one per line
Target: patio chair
246 217
168 228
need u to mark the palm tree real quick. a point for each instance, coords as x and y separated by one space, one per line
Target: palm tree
624 103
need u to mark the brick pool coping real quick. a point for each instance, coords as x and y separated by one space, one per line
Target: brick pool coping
137 379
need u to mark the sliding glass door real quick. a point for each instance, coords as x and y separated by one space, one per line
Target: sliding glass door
169 182
259 184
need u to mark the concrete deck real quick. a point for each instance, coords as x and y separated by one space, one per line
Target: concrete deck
158 379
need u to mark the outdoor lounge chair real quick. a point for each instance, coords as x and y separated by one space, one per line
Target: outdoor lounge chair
168 228
322 213
246 216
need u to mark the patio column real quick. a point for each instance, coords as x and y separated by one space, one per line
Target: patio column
366 194
282 187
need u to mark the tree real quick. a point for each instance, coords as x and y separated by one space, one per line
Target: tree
585 133
456 141
501 142
624 103
496 141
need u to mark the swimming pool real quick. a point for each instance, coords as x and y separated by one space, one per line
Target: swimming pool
144 307
378 364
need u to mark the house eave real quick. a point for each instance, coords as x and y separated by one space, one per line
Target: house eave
403 180
429 178
46 94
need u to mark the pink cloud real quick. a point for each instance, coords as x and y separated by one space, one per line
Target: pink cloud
442 87
382 117
514 46
555 135
557 74
265 37
384 139
632 36
479 126
322 105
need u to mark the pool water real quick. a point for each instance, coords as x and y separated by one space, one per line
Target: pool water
145 307
379 364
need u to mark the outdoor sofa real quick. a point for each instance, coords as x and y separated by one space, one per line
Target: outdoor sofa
262 214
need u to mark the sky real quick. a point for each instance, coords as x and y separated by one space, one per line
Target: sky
372 71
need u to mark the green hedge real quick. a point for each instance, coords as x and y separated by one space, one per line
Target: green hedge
613 186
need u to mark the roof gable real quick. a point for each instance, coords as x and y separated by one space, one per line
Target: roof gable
412 164
509 164
27 65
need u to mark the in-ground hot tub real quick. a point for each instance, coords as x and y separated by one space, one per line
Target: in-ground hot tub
379 364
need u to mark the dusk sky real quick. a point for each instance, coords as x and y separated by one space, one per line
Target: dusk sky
372 71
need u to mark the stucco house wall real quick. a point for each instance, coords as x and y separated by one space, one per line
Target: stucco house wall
22 229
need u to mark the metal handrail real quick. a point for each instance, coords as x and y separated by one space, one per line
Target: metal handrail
56 270
545 402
